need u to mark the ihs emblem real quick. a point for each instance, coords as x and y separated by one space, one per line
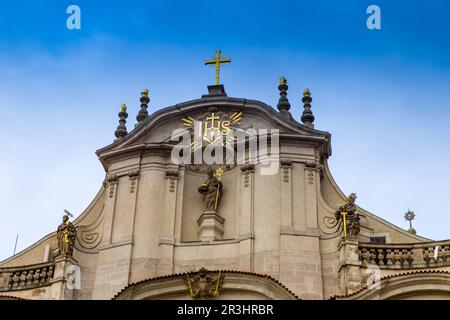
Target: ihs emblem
213 128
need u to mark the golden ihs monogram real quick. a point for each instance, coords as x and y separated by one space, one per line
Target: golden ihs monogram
213 128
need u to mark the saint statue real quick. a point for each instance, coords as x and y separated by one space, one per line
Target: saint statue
66 235
351 216
212 189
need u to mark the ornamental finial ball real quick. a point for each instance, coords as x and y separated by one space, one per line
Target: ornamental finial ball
283 80
307 93
144 93
124 107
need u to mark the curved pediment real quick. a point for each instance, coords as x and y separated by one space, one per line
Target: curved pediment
241 114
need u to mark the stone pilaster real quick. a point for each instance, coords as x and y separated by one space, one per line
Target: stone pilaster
311 195
114 256
179 209
246 219
133 177
286 194
167 233
111 184
349 266
66 281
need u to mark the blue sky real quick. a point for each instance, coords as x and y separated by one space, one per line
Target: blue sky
383 94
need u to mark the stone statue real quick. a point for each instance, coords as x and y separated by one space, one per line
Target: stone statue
351 216
212 189
66 235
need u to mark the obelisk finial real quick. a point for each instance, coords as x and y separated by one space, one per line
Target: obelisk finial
283 103
121 130
307 116
143 113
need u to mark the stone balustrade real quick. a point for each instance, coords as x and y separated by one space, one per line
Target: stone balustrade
26 277
398 256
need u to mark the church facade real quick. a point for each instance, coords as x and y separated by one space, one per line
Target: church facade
268 222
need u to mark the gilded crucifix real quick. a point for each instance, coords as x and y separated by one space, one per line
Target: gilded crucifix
217 60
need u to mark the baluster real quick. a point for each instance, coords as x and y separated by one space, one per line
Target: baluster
43 275
365 256
23 279
12 281
409 257
426 256
431 255
397 257
445 253
404 257
37 274
433 260
372 256
29 278
49 273
439 256
389 257
16 279
380 256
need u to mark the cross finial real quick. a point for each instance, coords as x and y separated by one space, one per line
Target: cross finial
217 60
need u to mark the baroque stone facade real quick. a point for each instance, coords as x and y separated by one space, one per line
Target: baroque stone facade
281 237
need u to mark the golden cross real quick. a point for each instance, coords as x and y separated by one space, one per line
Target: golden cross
212 118
219 173
217 60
